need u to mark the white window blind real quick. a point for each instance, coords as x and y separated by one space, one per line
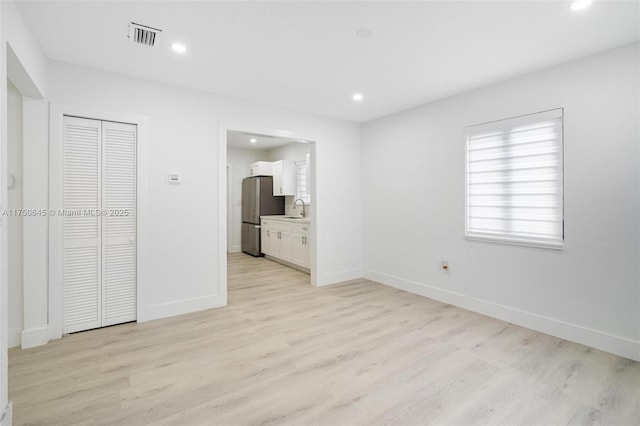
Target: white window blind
514 180
302 171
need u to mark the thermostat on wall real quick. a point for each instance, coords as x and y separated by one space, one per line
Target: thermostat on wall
174 177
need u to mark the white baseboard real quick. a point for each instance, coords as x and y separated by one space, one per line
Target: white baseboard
35 337
14 337
236 249
6 417
181 307
339 277
618 345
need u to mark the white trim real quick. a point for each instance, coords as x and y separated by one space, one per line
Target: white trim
236 249
340 277
597 339
14 337
35 337
230 246
171 309
516 242
222 213
316 223
4 257
56 114
223 127
6 417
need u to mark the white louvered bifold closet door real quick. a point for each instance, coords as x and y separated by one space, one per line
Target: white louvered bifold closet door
81 186
99 200
119 223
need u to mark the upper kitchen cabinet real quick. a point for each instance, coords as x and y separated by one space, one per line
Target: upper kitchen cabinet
284 177
260 168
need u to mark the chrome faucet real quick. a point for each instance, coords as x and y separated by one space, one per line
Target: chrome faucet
295 203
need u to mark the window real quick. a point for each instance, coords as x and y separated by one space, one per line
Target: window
302 171
514 180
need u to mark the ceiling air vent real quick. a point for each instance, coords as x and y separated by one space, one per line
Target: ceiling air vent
141 34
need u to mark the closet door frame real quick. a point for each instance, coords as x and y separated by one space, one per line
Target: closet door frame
56 228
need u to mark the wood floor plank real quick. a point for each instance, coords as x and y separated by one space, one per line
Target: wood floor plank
285 353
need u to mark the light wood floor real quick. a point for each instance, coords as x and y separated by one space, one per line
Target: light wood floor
284 352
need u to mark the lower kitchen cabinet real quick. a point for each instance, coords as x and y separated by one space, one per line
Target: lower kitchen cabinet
281 244
276 239
265 238
300 249
286 241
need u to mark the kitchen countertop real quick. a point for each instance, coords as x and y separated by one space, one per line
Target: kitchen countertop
285 218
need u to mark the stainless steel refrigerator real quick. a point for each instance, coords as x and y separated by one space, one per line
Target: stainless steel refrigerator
257 200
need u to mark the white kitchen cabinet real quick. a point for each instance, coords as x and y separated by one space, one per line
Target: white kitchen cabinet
279 239
284 177
299 246
265 237
260 168
285 240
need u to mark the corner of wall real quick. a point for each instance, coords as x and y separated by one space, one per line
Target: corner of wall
6 417
5 407
24 47
14 337
339 277
171 309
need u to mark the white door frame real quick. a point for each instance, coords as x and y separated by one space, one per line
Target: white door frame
229 208
223 128
56 115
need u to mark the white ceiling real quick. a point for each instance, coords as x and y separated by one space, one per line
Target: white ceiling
236 139
305 55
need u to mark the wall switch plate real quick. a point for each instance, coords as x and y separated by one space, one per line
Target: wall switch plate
174 177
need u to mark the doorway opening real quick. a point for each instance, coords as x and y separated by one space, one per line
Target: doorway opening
270 200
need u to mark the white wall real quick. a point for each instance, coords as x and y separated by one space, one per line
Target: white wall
413 168
5 408
26 49
14 223
22 60
239 159
35 172
26 68
183 133
295 151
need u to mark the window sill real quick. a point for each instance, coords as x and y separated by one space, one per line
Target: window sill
517 242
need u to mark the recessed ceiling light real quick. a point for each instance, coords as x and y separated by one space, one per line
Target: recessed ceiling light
580 4
178 47
253 140
358 97
364 32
